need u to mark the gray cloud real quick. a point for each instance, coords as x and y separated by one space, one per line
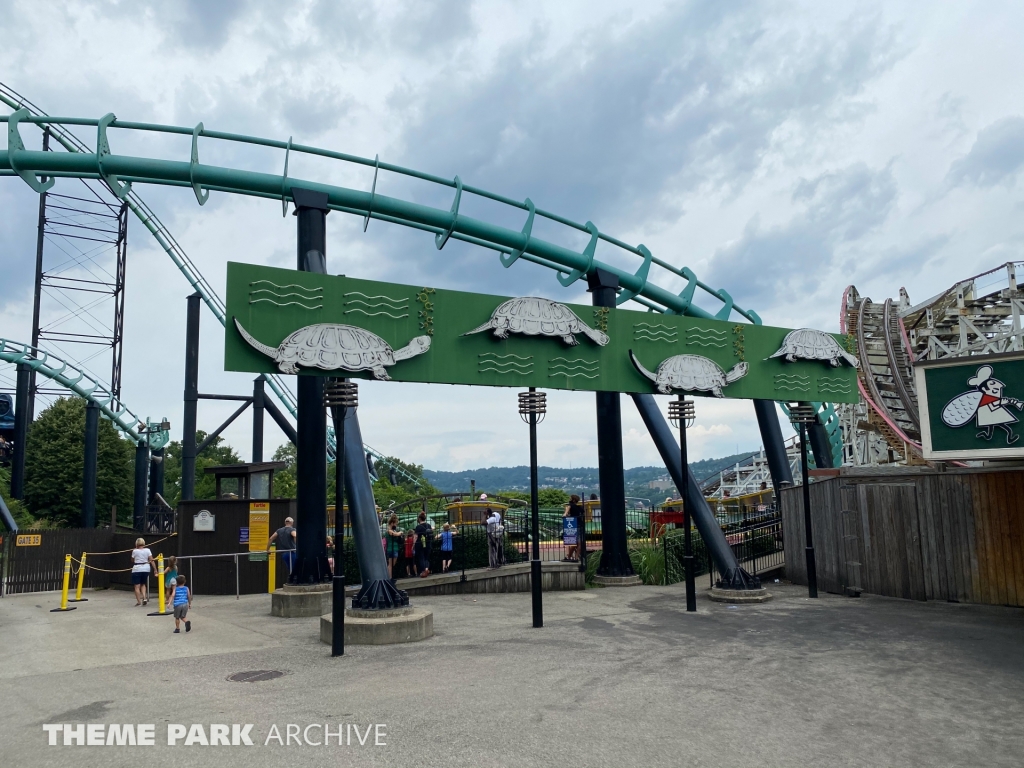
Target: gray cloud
996 157
624 123
839 208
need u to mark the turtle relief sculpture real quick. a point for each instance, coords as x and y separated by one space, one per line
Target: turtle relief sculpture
809 344
691 373
532 316
332 347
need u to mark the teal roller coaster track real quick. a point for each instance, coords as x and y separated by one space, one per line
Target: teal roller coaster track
121 172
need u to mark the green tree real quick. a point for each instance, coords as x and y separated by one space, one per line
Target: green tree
285 482
55 458
217 454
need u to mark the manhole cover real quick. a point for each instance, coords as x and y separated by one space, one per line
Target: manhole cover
256 676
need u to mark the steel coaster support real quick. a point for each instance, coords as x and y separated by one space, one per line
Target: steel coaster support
378 590
191 397
141 477
311 423
733 576
92 436
774 445
21 399
615 551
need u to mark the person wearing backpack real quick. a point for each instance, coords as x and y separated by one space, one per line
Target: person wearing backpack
424 533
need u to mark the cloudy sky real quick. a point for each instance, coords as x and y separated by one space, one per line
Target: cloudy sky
780 150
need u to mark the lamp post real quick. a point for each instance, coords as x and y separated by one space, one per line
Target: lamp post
682 413
533 404
339 396
803 414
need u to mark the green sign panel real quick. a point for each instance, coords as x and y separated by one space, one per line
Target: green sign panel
286 321
971 408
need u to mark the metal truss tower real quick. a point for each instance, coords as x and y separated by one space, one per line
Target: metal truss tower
78 307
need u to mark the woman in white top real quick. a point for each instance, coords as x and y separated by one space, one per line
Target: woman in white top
142 565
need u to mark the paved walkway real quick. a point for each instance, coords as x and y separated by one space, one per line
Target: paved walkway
618 677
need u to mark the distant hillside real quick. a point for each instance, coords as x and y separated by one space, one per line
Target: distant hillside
642 482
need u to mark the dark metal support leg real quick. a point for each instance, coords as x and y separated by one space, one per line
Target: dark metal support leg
92 436
721 554
141 476
774 445
21 424
311 424
258 397
188 437
615 552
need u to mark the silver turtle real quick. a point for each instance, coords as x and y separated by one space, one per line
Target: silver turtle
691 373
809 344
532 316
334 347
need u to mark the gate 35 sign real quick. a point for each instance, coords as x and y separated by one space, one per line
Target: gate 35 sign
296 322
972 408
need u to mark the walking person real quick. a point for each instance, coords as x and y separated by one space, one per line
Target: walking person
494 527
143 565
575 510
285 537
447 549
170 578
182 602
424 534
393 544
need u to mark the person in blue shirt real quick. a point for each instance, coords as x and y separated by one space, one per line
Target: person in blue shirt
447 548
182 602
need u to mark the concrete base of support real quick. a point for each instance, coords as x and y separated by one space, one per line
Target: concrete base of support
294 601
402 625
618 581
739 596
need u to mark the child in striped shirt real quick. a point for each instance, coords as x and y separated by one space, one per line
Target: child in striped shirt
182 602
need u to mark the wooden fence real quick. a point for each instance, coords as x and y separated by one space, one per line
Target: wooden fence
956 535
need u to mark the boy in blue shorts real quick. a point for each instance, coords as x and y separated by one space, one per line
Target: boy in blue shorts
182 602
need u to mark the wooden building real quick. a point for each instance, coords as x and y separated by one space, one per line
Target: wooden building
913 532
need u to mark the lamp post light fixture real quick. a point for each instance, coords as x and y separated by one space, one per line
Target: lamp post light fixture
682 413
532 409
802 415
339 396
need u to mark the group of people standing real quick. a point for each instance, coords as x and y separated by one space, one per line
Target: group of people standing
416 546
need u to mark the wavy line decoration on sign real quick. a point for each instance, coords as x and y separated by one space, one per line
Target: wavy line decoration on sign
833 386
705 337
792 382
655 332
333 347
532 316
562 366
290 295
373 306
504 364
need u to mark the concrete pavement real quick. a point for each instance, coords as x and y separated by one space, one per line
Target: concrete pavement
615 678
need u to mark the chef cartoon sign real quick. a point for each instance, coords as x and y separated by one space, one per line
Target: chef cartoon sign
986 405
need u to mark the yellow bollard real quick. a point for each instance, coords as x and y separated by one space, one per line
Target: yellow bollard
81 582
64 589
160 586
272 568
